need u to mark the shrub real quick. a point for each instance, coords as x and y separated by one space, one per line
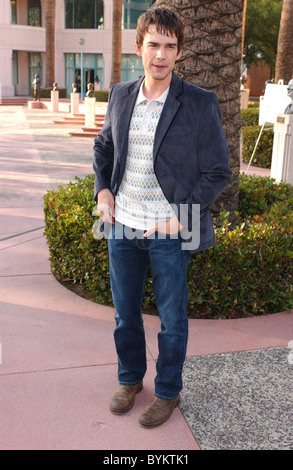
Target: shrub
257 195
46 92
248 272
263 155
249 117
102 95
253 104
74 254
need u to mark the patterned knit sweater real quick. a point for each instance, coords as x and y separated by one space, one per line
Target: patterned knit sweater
140 202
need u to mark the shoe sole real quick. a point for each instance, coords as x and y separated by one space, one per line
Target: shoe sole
119 412
151 426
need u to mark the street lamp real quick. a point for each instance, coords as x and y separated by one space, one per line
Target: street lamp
81 43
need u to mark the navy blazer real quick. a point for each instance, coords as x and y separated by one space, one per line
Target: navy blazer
191 157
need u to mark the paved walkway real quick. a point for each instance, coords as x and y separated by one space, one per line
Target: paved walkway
58 365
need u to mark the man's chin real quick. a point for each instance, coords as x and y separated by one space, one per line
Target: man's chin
160 74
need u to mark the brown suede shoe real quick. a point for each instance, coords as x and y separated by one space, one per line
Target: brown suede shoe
158 411
123 398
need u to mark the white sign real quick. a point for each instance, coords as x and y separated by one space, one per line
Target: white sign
274 101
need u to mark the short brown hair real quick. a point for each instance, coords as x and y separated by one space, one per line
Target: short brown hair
166 21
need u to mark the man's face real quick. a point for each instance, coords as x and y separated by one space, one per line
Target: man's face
159 53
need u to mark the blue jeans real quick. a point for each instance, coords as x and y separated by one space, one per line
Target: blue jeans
129 263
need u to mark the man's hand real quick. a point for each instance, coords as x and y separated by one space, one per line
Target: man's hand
171 227
106 206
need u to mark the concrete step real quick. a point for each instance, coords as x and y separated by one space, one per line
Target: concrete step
92 129
79 119
14 101
73 122
87 131
100 117
92 135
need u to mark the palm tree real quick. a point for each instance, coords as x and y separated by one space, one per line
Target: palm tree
50 12
284 62
116 42
212 59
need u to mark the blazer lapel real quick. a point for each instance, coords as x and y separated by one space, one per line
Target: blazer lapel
125 113
170 109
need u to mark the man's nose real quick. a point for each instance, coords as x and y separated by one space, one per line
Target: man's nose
161 53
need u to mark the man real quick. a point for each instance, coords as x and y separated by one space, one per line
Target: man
161 152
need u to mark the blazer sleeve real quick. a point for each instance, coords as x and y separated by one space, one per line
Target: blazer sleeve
104 152
213 158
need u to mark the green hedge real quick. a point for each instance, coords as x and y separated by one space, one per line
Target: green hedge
46 92
248 272
263 155
102 95
74 254
258 195
250 132
253 104
249 117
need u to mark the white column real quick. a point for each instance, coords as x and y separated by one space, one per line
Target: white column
54 101
7 87
74 103
282 159
5 12
107 49
107 70
90 111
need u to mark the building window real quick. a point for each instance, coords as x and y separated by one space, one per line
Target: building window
34 13
132 10
84 14
92 71
131 67
35 66
15 67
13 11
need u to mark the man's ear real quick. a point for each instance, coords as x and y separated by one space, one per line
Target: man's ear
179 54
138 49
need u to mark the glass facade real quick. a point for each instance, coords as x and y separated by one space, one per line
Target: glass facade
35 66
14 67
92 71
131 67
34 13
79 14
132 10
84 14
13 7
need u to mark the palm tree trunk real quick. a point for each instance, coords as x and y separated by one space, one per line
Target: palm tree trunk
116 42
50 12
211 59
284 61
